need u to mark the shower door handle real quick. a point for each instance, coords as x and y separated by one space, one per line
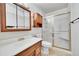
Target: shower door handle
52 34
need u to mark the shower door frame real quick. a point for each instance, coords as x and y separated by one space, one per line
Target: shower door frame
68 33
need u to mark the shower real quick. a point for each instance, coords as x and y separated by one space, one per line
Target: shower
62 31
56 30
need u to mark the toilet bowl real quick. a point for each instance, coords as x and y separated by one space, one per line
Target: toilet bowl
45 47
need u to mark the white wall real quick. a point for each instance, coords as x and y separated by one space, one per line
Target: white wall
8 35
75 29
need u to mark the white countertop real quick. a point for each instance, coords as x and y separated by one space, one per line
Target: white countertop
18 46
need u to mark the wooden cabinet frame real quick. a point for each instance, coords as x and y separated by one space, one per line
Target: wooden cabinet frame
3 18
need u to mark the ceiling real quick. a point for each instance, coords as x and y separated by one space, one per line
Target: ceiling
50 7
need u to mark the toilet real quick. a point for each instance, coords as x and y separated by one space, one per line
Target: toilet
45 47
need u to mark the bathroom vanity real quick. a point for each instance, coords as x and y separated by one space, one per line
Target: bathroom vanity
27 47
34 50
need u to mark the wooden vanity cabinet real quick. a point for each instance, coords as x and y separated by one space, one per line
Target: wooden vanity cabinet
34 50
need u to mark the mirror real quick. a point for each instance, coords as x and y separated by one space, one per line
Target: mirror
26 17
23 19
15 17
20 18
10 16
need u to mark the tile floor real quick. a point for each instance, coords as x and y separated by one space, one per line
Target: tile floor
57 52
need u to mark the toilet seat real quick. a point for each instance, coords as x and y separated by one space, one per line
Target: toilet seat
46 44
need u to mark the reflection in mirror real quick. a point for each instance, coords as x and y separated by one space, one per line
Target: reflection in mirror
37 22
10 16
21 20
26 19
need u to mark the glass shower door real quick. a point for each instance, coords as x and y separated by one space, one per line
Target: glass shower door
61 31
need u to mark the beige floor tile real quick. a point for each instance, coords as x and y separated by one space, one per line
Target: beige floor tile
57 52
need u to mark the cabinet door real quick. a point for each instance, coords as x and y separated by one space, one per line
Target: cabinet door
10 16
38 51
